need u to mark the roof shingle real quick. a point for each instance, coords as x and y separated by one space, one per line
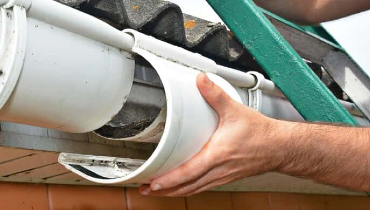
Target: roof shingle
165 20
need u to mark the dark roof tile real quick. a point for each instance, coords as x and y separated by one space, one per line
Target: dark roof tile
165 20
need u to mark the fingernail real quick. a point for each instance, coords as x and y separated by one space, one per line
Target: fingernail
206 79
156 187
145 192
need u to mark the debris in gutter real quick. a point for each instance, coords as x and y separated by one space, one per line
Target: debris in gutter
124 131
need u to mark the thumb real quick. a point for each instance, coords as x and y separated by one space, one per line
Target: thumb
217 98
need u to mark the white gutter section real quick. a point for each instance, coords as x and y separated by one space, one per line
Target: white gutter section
13 48
57 79
62 16
190 121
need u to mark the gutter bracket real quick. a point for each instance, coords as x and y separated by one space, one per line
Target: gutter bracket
255 93
172 53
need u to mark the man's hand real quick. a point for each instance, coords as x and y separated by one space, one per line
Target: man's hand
240 147
246 143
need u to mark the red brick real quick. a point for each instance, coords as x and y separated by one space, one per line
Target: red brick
63 197
136 201
210 201
14 196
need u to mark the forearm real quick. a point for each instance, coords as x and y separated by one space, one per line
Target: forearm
330 154
247 143
310 12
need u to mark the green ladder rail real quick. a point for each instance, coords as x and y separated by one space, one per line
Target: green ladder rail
281 62
316 45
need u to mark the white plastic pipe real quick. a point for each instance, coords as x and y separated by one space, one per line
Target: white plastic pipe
190 121
241 79
57 79
62 16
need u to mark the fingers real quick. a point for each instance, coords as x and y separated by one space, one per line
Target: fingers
188 188
217 98
212 185
191 170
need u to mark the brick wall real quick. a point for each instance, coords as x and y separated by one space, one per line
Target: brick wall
14 196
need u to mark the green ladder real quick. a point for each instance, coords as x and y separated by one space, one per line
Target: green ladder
281 62
255 30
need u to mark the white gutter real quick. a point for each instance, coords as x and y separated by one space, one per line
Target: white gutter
62 16
54 78
66 70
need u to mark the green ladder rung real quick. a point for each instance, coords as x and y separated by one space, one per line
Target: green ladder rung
281 62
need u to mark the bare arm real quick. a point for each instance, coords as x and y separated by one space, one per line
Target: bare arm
330 154
248 143
310 12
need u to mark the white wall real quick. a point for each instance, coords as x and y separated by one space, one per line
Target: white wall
198 8
353 33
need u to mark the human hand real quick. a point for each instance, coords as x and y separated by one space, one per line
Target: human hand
242 146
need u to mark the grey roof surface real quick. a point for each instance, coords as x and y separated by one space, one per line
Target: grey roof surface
165 20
